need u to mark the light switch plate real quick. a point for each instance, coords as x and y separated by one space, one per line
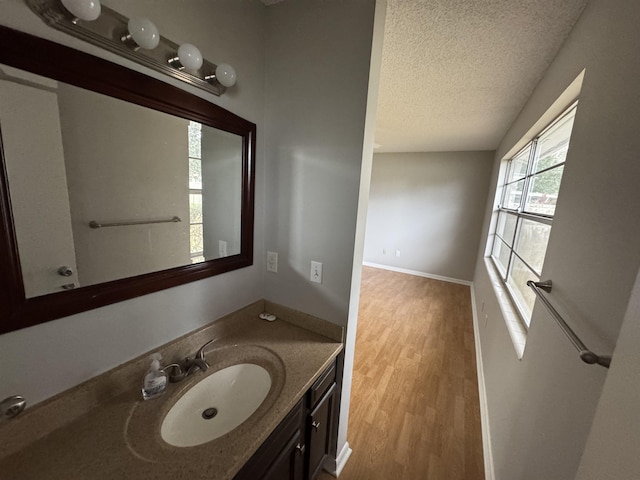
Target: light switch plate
316 272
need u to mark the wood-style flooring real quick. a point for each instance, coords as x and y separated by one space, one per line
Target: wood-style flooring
415 412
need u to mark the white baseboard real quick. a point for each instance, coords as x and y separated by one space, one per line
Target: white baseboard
335 466
489 471
418 274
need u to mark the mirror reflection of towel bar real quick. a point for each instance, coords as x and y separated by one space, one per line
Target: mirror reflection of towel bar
586 355
94 224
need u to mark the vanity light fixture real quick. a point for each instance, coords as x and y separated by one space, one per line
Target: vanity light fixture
225 74
142 32
137 39
87 10
189 58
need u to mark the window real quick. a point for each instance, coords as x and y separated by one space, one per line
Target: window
196 246
526 209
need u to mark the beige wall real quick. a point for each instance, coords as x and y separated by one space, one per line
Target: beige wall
428 206
540 408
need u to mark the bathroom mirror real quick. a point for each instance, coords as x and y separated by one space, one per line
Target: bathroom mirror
114 184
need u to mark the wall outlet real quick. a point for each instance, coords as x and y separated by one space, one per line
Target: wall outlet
384 251
272 262
397 253
316 272
222 248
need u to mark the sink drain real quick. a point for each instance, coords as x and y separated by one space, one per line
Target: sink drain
209 413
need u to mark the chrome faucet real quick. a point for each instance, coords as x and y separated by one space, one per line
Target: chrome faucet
178 372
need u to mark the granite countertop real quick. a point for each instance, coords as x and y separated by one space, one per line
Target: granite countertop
116 435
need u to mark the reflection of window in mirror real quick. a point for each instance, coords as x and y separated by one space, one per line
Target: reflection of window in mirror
195 193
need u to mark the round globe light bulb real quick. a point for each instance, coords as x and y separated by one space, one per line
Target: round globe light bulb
189 56
87 10
226 75
144 32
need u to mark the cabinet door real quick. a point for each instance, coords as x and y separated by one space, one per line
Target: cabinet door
279 457
289 464
319 428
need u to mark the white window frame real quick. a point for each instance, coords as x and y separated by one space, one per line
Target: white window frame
520 214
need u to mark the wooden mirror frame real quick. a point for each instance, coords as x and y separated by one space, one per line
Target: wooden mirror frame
45 58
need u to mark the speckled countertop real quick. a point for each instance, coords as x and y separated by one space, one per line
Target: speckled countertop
102 429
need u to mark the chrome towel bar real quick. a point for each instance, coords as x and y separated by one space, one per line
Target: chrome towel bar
94 224
586 355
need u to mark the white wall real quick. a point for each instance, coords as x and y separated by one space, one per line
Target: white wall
116 178
428 206
541 407
46 359
221 191
316 93
343 450
611 452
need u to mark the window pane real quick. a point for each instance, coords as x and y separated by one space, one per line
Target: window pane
543 192
195 208
195 132
518 166
506 227
533 238
195 174
501 255
195 238
523 295
554 143
512 195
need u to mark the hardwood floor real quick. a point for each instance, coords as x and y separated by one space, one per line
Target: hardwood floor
414 405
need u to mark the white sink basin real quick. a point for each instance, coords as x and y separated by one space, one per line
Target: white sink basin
216 405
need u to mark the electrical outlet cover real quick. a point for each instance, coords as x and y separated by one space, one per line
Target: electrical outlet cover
272 262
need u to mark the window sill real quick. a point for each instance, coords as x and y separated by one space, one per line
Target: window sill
516 329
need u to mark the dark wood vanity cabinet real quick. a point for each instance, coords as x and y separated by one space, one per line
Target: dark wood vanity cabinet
297 448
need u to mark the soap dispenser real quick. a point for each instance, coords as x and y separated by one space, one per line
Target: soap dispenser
156 379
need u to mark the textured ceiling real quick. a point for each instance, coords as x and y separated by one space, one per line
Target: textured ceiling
455 73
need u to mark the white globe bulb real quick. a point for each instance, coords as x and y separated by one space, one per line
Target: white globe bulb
189 56
226 75
87 10
144 32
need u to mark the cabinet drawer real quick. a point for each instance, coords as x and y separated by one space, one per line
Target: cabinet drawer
320 387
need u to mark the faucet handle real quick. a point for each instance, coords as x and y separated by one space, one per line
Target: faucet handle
200 353
175 372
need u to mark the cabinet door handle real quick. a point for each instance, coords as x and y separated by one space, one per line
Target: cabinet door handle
300 449
315 425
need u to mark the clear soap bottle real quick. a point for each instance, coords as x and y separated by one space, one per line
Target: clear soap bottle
155 380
